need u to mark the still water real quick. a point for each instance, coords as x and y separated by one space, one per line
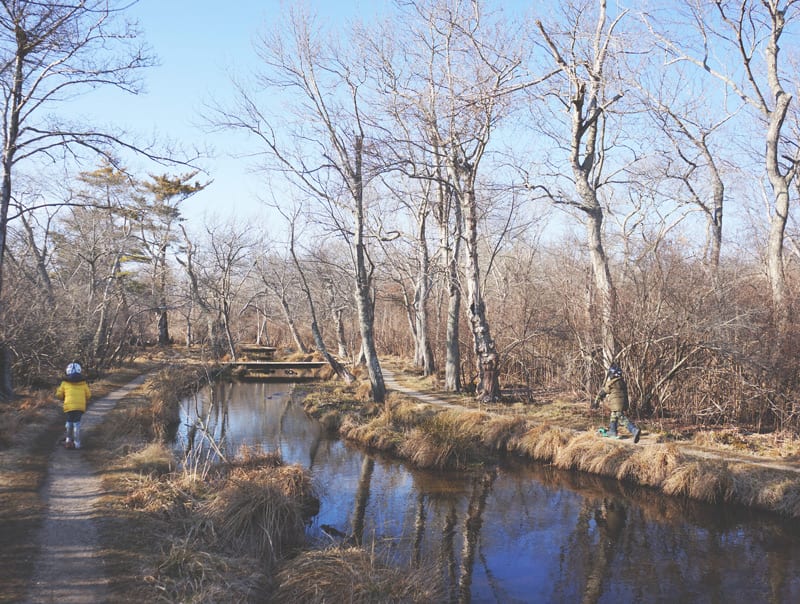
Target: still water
522 532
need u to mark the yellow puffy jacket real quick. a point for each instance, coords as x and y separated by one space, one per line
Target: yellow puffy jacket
74 394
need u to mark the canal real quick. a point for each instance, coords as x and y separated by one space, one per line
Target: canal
520 532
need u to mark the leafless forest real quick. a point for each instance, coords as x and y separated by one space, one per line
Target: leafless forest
509 199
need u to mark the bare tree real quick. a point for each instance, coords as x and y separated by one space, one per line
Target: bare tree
457 86
337 367
325 151
279 279
50 52
752 31
581 54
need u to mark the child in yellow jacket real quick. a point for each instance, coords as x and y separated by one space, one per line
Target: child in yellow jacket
75 393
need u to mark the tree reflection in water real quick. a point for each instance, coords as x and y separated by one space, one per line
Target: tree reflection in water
525 533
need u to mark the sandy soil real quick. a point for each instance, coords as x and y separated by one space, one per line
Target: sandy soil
70 567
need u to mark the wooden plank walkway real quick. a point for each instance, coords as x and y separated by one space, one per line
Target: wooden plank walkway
276 365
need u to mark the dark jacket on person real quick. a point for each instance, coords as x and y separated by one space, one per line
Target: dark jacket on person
615 390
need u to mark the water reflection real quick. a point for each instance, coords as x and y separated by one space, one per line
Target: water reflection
522 533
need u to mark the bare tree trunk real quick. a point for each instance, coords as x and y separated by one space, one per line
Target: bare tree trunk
779 218
452 368
486 356
450 245
341 339
422 341
13 104
287 313
337 367
364 302
602 281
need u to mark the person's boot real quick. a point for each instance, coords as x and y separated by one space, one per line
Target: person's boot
77 434
68 436
636 432
612 430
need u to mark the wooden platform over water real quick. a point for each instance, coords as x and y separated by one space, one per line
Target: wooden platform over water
257 352
275 370
276 365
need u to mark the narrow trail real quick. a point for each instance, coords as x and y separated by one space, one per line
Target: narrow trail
70 568
391 382
646 439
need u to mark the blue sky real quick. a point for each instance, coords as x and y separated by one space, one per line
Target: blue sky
199 44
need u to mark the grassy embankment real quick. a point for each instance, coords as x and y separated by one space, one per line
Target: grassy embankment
432 437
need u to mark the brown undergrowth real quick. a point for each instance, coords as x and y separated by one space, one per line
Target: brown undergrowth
354 575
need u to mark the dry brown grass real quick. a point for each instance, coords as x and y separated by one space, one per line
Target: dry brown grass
580 451
355 576
498 431
777 444
188 573
404 413
167 389
767 489
707 480
376 434
260 510
541 442
155 458
446 440
651 466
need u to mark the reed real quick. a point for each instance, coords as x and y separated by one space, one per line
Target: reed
259 511
356 576
706 480
541 442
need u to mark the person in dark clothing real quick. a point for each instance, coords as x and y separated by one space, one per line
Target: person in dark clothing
615 394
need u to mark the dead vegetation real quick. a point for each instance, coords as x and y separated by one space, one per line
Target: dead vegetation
353 575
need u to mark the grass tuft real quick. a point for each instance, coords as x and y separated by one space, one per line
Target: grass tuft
706 480
355 576
651 466
257 513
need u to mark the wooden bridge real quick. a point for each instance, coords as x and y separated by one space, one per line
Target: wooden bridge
257 352
258 363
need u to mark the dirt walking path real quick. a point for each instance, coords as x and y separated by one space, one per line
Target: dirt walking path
392 383
70 568
646 439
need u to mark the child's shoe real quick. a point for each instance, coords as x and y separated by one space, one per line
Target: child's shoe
77 444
